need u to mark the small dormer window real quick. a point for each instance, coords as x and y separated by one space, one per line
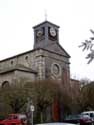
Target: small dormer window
26 58
11 62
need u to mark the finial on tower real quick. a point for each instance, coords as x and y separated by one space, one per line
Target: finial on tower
45 15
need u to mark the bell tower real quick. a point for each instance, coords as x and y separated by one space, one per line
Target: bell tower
45 34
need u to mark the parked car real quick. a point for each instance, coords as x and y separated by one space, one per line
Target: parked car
57 123
90 113
79 118
16 116
14 119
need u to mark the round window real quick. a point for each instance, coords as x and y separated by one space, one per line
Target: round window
55 69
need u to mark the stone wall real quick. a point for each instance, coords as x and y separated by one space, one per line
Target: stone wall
42 61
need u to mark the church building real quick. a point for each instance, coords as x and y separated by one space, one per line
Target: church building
47 60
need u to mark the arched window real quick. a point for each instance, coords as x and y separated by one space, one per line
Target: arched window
26 58
5 84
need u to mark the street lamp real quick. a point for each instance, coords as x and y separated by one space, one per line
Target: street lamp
32 108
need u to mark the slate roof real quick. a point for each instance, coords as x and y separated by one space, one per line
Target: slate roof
58 49
19 67
44 23
55 52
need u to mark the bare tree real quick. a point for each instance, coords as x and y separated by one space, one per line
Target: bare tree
88 46
42 94
87 97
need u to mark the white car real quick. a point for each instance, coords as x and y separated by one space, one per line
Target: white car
89 113
57 123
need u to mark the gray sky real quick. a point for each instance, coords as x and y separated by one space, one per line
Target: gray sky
75 18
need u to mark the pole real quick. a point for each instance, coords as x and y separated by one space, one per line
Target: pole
32 110
32 117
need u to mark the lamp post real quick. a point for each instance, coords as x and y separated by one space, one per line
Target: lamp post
32 108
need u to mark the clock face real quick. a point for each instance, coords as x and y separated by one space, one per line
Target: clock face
52 32
39 33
